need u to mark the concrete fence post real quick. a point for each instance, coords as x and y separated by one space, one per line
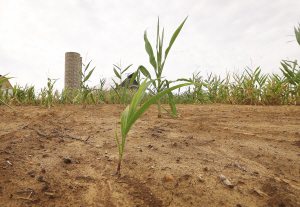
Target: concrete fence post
73 66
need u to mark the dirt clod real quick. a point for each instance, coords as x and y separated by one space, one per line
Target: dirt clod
168 178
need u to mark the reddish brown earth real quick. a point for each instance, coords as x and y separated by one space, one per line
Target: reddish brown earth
167 161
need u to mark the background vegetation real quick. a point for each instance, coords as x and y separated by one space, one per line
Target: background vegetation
252 87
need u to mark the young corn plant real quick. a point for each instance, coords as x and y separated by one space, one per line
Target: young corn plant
122 90
65 96
29 95
131 114
291 71
84 90
48 94
101 93
275 91
158 64
2 80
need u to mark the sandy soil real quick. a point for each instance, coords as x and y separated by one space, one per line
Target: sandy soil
210 155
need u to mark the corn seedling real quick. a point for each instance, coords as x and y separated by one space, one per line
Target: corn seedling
122 88
131 114
84 90
275 91
47 94
29 95
100 93
291 71
65 96
158 65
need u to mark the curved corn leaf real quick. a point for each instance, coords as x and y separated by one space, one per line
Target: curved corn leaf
117 74
172 105
148 103
144 71
7 105
89 75
126 69
297 34
150 51
124 119
173 40
87 66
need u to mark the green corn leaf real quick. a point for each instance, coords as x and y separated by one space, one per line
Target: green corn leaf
173 40
119 145
2 80
7 105
93 100
297 34
149 51
183 79
172 105
148 103
144 71
87 66
171 100
117 74
124 119
138 97
117 85
133 78
126 69
89 75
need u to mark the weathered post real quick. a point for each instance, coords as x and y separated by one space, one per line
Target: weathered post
73 66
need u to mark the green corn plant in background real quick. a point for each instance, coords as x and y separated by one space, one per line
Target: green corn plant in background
158 64
47 94
291 71
100 93
275 91
253 84
213 84
131 114
30 95
64 97
123 92
121 71
18 95
84 91
2 80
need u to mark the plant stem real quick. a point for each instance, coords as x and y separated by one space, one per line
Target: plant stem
159 108
119 168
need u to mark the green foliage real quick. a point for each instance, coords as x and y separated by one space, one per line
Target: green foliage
291 71
158 66
64 97
123 92
131 113
47 94
85 92
297 33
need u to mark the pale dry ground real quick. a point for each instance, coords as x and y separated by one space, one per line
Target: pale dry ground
167 161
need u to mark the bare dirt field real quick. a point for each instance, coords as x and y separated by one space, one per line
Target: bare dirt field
210 155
